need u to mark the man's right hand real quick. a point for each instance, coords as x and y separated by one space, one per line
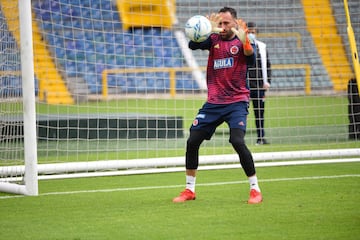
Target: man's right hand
214 20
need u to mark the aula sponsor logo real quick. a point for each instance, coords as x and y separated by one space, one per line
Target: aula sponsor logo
223 63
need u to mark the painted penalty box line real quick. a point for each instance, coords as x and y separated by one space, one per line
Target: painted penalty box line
198 184
202 184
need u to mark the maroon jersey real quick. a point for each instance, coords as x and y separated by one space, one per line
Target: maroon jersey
226 70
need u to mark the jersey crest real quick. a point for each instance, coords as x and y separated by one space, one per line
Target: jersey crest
234 50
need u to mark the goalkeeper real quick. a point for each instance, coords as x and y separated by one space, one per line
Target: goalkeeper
230 53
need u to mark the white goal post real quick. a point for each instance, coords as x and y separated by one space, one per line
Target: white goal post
29 183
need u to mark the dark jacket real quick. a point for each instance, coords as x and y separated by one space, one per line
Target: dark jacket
255 75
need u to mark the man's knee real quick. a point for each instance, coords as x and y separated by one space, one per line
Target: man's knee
196 138
192 149
237 137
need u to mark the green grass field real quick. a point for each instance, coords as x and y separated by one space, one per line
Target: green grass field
300 202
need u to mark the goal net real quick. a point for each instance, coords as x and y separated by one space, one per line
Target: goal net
117 87
18 157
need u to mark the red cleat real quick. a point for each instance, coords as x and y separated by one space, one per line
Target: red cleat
185 195
255 197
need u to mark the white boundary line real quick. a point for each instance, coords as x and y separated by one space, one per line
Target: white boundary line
180 186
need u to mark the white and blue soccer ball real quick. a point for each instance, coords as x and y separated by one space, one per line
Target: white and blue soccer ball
198 28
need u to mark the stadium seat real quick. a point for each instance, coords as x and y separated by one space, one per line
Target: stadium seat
10 85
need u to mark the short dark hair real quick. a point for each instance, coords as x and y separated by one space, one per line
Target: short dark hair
232 11
251 25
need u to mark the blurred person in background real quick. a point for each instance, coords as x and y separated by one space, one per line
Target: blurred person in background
259 81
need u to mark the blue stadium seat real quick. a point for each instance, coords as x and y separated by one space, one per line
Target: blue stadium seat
10 84
83 32
120 60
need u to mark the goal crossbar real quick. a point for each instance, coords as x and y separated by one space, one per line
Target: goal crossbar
157 165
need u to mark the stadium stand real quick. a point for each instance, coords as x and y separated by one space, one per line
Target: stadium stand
10 80
338 8
282 49
84 46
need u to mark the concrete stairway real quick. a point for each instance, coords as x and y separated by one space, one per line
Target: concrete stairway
322 27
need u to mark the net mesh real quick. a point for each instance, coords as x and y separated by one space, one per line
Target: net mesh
115 79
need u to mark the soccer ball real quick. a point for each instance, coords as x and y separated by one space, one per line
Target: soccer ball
198 28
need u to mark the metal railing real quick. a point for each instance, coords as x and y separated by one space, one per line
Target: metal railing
172 75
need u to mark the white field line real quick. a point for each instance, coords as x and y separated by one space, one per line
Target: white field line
181 186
